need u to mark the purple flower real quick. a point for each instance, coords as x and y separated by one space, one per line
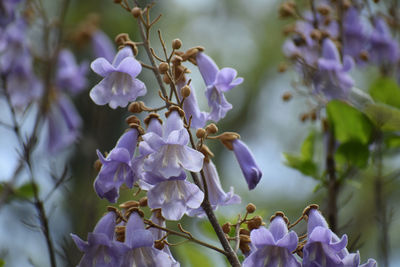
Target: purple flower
101 249
175 197
140 243
332 78
216 195
355 37
102 45
7 11
274 246
70 76
63 124
168 155
119 85
117 167
158 234
191 108
218 82
247 163
324 247
383 48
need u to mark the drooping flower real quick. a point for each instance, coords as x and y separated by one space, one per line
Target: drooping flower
218 82
355 38
332 78
63 124
175 197
324 247
247 163
140 246
274 246
117 167
7 11
101 249
191 108
168 155
70 76
119 85
383 47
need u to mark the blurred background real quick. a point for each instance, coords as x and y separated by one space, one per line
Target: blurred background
245 35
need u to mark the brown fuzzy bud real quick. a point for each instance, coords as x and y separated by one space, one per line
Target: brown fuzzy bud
136 107
287 10
132 119
282 67
176 60
243 231
227 138
150 117
166 79
212 128
175 108
129 204
346 4
200 133
304 117
364 56
316 34
250 208
121 38
324 9
185 91
244 247
143 202
287 96
313 115
308 208
288 29
136 12
97 165
176 44
245 238
254 223
159 244
163 67
226 228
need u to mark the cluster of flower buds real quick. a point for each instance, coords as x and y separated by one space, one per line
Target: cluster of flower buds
330 38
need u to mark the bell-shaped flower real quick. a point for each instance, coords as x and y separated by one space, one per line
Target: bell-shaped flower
383 47
191 108
119 85
332 78
218 82
216 195
70 76
274 246
117 167
157 218
7 11
102 45
175 197
324 247
63 124
355 38
247 163
140 243
168 155
101 249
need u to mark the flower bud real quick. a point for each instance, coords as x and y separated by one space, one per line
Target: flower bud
121 38
129 204
282 67
97 165
243 231
226 228
287 9
287 96
176 44
166 79
135 107
185 91
254 223
136 12
143 202
212 128
364 55
250 208
163 67
158 244
200 133
324 10
304 117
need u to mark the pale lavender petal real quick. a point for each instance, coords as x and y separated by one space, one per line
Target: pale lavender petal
103 46
121 55
207 68
102 67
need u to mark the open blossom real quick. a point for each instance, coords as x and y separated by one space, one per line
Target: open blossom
101 249
332 78
324 248
247 163
140 250
274 246
70 76
117 167
168 154
218 82
119 85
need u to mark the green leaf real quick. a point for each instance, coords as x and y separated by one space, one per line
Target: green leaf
392 141
387 91
349 124
25 191
194 256
385 117
2 263
304 162
353 153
